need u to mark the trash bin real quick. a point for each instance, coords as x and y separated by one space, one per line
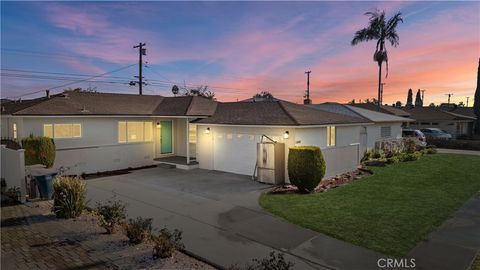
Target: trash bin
45 184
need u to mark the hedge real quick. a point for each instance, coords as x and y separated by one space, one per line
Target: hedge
455 144
39 150
306 167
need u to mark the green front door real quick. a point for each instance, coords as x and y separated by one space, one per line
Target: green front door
166 137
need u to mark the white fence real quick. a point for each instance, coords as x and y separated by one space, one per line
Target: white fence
341 159
13 169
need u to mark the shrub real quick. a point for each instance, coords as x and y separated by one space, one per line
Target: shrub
377 153
166 242
410 146
272 262
68 196
306 167
455 144
39 150
410 156
367 155
430 151
393 159
110 214
139 229
13 194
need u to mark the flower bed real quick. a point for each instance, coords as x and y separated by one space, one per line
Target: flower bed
328 183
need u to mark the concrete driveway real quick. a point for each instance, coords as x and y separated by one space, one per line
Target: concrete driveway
221 219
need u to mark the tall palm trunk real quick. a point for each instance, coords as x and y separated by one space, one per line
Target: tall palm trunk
379 83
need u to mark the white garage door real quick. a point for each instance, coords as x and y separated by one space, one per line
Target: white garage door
235 153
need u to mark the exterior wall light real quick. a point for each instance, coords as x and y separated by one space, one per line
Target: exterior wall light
158 124
286 135
207 131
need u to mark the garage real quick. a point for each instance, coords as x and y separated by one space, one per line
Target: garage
235 153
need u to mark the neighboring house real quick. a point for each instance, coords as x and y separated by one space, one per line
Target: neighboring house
104 131
227 140
383 109
434 117
385 126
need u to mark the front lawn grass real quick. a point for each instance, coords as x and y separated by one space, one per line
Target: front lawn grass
390 211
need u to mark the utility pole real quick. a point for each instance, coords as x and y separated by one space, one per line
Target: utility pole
141 51
467 101
307 96
449 95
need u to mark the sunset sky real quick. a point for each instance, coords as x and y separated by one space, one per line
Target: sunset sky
240 48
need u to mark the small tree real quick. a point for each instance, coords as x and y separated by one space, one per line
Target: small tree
201 91
175 90
418 99
409 98
306 167
476 102
264 95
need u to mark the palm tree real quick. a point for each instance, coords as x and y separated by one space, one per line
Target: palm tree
382 31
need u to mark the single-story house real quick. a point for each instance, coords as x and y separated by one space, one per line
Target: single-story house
383 109
107 131
385 126
104 131
434 117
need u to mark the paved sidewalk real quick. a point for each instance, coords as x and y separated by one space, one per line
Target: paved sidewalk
457 151
27 244
455 243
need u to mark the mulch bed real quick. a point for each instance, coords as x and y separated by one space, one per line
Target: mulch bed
327 183
121 253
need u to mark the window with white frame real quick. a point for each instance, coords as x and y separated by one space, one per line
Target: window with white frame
134 131
385 132
62 131
331 135
14 128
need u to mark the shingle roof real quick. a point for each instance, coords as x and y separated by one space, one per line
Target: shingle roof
274 113
367 115
94 103
383 109
433 113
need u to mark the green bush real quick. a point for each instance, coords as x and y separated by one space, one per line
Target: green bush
138 230
110 214
166 242
306 167
367 155
410 156
430 151
39 150
410 146
393 159
68 196
377 153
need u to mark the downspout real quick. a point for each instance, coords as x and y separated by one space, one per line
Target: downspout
187 136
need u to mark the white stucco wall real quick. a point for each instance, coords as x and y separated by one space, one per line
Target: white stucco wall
215 151
374 132
98 148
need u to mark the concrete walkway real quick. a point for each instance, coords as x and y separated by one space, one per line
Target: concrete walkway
457 151
455 243
222 221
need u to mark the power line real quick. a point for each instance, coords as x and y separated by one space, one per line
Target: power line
74 82
57 73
